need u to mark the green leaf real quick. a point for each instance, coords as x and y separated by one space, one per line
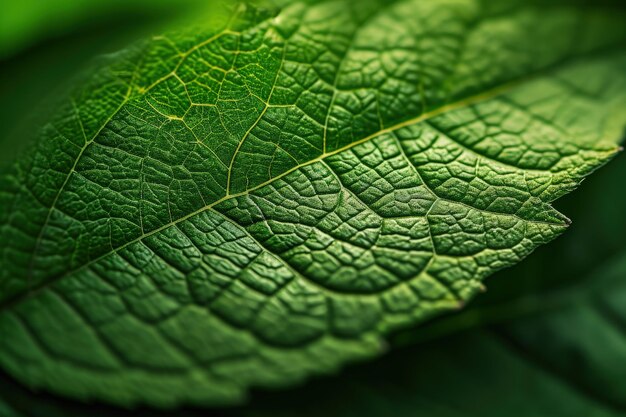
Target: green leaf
481 373
34 82
555 347
247 205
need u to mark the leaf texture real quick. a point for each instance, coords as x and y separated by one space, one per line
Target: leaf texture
247 205
472 354
547 339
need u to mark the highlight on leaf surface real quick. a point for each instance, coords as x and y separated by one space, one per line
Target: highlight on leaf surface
266 198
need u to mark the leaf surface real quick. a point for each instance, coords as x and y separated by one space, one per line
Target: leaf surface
470 353
249 204
547 339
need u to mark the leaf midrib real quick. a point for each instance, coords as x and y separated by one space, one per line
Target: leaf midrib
490 94
88 141
477 98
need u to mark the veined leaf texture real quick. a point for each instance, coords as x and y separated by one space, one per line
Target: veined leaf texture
250 203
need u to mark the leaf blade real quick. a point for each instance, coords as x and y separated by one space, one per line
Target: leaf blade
218 249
